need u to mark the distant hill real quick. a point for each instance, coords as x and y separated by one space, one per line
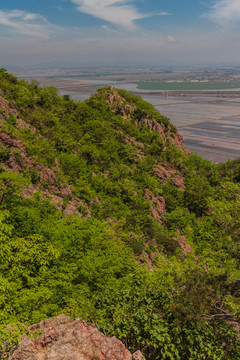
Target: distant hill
105 215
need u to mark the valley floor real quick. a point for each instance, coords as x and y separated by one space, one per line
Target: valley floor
209 126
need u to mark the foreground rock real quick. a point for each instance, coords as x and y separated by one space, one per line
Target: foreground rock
61 339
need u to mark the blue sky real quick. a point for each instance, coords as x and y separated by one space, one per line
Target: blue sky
119 32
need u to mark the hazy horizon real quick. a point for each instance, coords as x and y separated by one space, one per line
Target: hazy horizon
105 33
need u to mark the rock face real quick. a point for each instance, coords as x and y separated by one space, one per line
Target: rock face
61 339
46 181
5 109
120 106
183 244
167 173
158 205
165 133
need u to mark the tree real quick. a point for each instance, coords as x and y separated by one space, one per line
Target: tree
23 264
198 190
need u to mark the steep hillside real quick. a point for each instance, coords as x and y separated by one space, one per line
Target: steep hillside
105 215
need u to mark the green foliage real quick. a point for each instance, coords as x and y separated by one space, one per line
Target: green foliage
5 153
148 318
198 190
104 159
11 185
10 336
23 262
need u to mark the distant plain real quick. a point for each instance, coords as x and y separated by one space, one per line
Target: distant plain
209 126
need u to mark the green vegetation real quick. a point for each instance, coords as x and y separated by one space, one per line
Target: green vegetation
147 85
105 160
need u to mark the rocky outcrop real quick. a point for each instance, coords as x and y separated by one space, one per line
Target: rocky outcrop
165 133
117 103
137 145
157 205
22 124
120 106
147 260
5 109
138 356
6 140
186 248
167 173
61 339
59 193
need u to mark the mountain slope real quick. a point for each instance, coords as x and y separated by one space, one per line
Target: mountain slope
93 195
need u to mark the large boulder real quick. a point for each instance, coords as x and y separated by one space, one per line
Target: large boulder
61 339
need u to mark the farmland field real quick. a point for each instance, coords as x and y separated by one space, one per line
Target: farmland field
147 85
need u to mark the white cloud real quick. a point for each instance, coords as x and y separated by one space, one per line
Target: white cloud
109 29
224 12
163 13
171 39
118 12
23 23
30 16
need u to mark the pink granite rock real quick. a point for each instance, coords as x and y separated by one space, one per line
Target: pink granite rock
61 339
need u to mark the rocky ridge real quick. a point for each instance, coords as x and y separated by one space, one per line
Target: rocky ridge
61 339
118 105
59 192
